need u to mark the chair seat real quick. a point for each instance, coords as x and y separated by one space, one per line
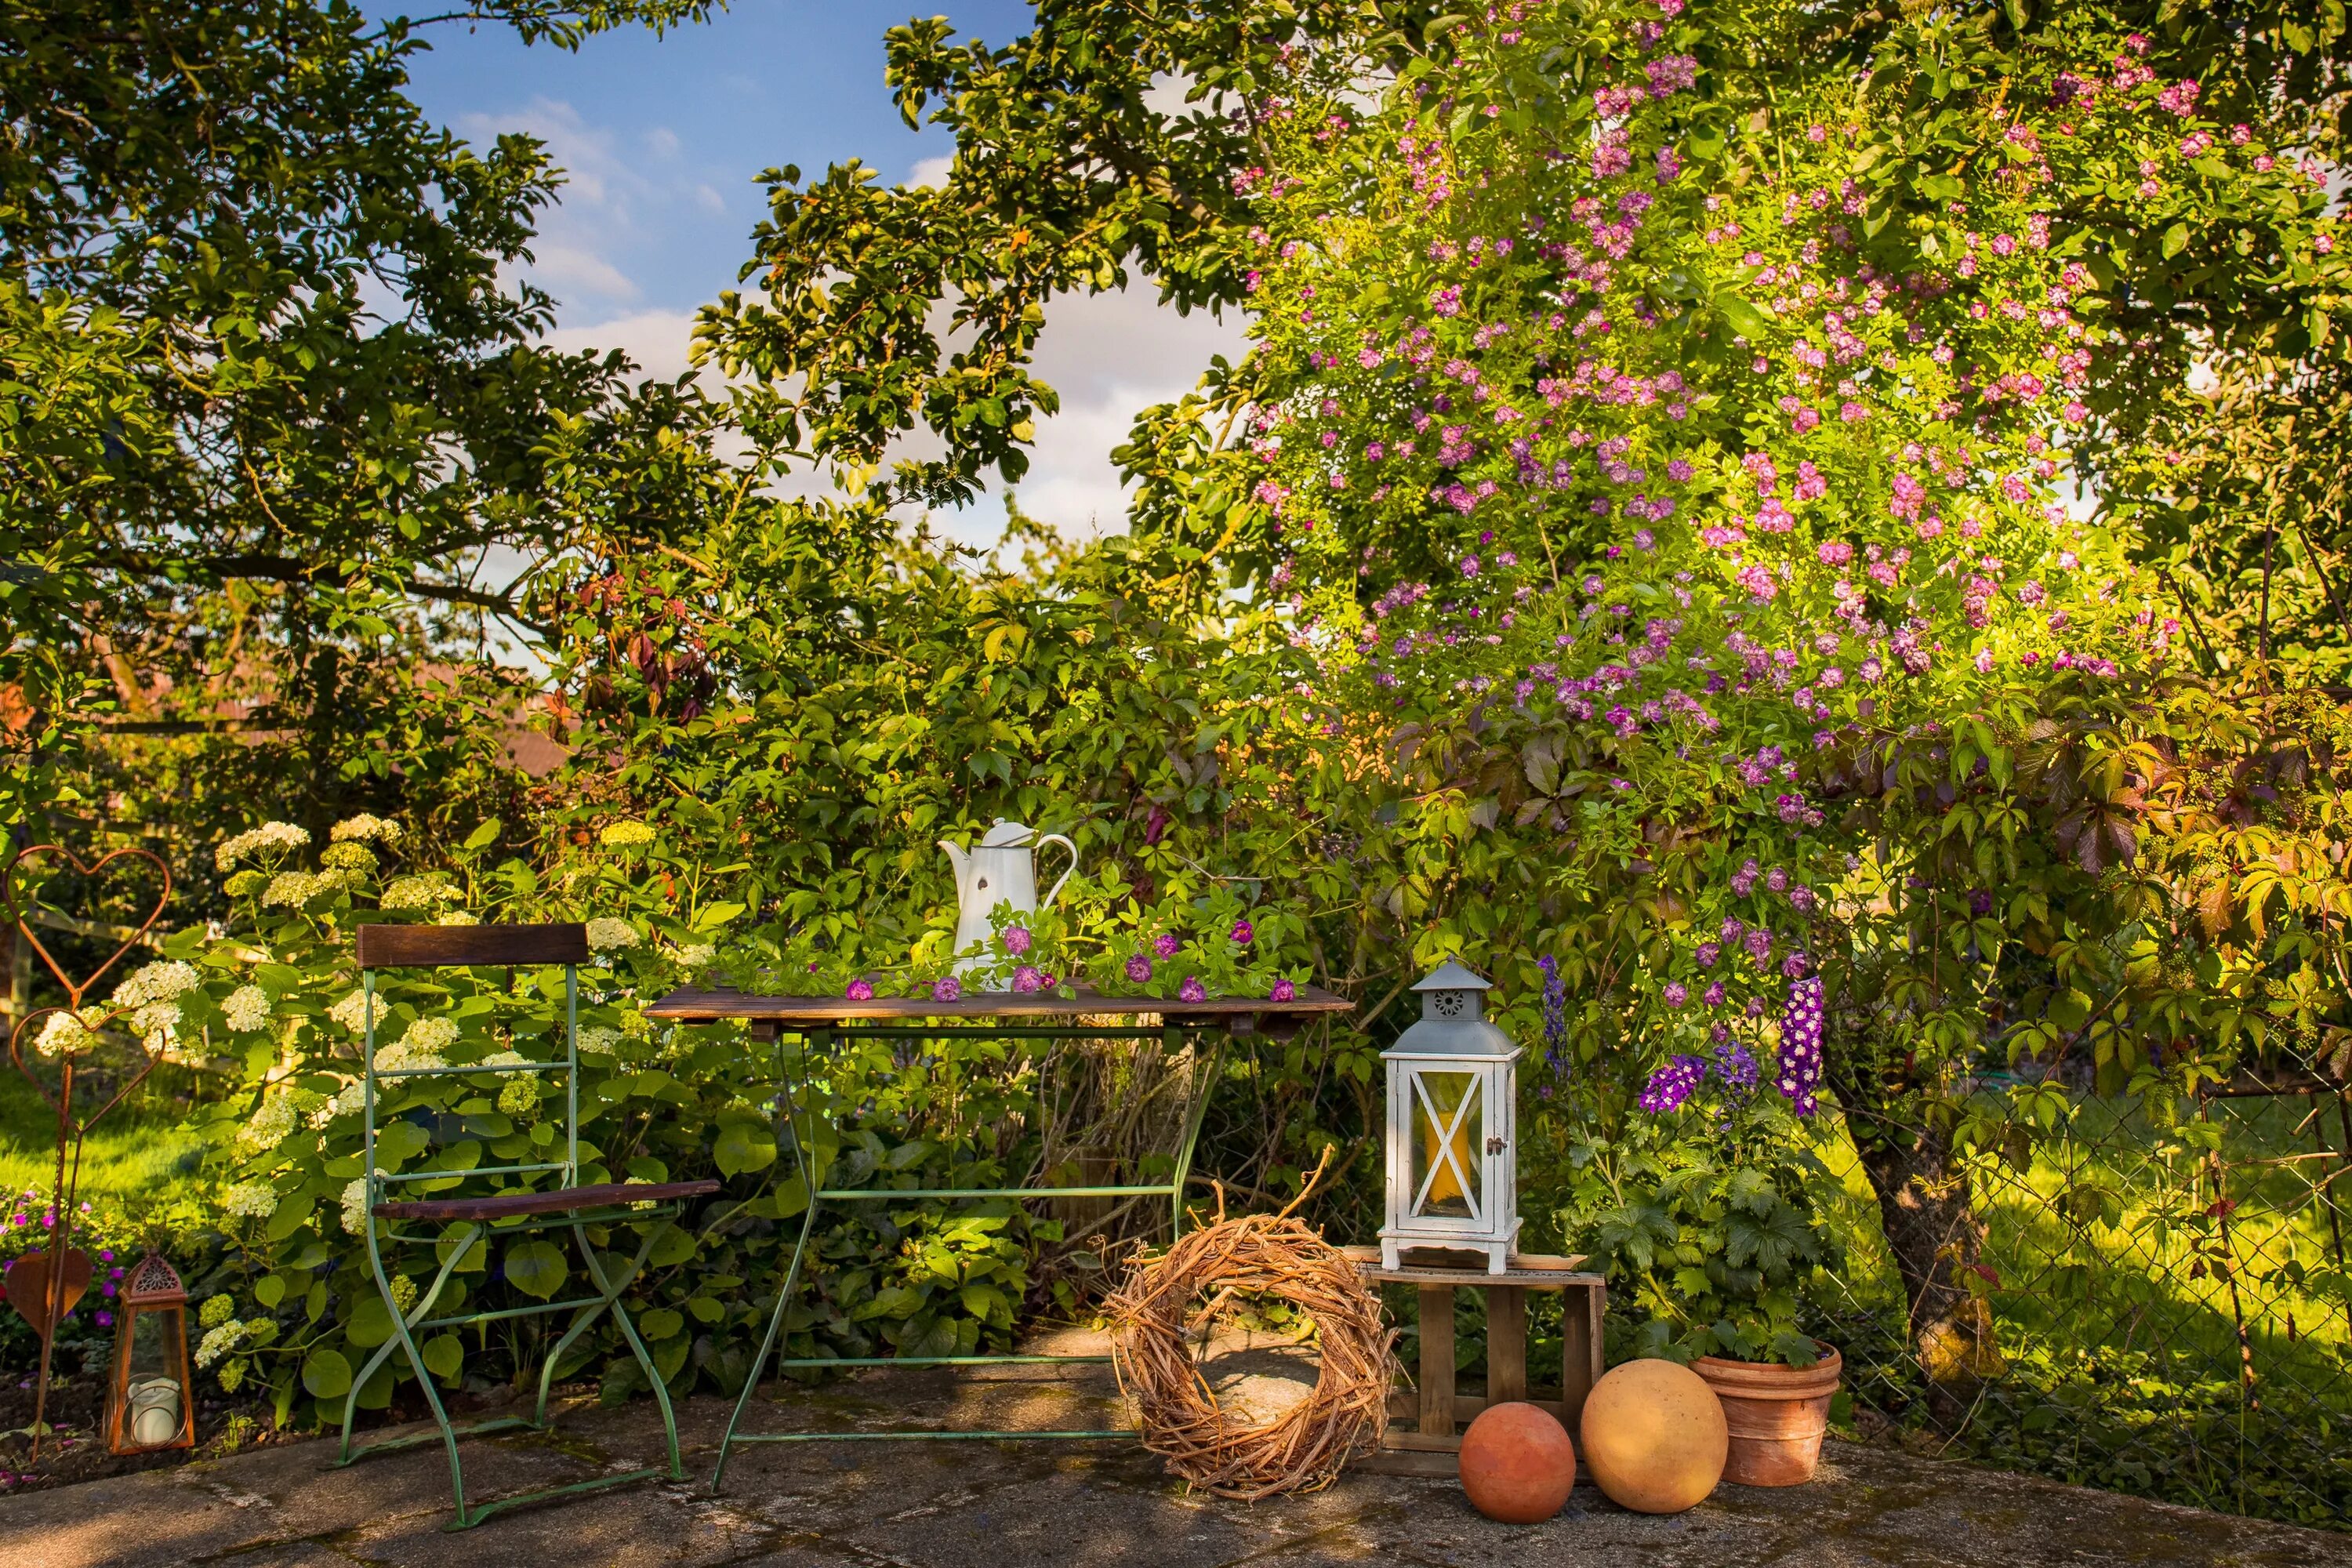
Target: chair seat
562 1201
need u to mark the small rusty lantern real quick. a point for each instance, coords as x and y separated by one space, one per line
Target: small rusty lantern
151 1402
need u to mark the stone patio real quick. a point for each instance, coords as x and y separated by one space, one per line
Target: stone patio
1011 1505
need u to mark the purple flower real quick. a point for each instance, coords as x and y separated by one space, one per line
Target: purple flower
1139 968
1776 879
1735 1069
1671 1084
1800 1067
859 991
1796 964
1028 978
1708 953
1242 932
1732 928
1284 991
1016 940
106 1321
947 989
1555 1010
1675 993
1192 990
1760 944
1802 900
1165 944
1980 901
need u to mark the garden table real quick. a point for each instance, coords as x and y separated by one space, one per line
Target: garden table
828 1024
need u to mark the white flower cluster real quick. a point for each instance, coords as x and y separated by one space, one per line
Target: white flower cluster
403 1294
63 1034
270 1124
351 1012
276 838
599 1039
520 1096
296 888
505 1059
251 1200
365 825
216 1309
695 954
419 892
355 859
622 835
219 1341
247 1008
355 1202
421 1045
347 1101
457 917
158 982
611 935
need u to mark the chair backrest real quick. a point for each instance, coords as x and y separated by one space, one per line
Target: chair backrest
452 947
449 947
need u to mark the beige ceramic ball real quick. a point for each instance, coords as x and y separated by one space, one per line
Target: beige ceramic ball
1652 1436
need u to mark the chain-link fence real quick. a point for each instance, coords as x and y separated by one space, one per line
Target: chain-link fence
2167 1301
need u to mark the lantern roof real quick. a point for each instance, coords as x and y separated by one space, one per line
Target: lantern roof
1452 1021
1452 976
154 1283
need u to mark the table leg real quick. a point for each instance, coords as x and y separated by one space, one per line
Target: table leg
803 1138
1507 1344
1579 1349
1437 1361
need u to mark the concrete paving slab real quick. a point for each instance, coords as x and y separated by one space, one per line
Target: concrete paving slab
1032 1505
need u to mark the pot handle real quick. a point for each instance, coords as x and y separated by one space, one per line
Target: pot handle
1044 838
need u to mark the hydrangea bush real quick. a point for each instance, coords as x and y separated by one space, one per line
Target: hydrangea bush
280 994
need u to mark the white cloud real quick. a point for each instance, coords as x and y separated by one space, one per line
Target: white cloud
1109 355
662 141
707 196
932 172
656 340
567 271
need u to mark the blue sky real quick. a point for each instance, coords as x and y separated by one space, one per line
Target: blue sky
663 139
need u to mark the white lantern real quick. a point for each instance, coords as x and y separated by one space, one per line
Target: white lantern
1452 1133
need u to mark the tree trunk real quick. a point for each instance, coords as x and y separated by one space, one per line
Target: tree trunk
1926 1208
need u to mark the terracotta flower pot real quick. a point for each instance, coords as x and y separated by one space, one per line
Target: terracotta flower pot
1777 1415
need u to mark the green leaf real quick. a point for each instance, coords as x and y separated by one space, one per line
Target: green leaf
326 1373
2176 240
293 1212
536 1267
484 835
270 1290
745 1146
1746 319
660 1324
370 1321
444 1355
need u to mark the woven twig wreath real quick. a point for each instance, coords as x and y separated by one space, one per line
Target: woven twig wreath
1305 1445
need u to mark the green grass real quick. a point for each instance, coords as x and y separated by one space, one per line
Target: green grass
135 1156
2116 1310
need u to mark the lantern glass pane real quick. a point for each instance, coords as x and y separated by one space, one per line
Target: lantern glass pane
151 1352
1448 1132
150 1394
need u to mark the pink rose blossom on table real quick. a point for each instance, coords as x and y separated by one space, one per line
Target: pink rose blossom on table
859 991
947 989
1028 978
1165 944
1192 990
1016 940
1284 991
1138 968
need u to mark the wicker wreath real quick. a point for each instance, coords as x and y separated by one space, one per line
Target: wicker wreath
1305 1446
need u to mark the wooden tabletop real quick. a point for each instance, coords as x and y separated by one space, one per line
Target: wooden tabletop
1242 1015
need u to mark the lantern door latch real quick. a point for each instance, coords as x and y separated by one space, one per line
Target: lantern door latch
1495 1145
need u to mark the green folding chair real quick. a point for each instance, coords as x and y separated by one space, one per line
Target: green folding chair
471 1221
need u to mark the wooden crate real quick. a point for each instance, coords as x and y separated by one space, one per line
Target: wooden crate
1439 1413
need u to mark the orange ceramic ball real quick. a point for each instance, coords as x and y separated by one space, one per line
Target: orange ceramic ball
1517 1464
1653 1436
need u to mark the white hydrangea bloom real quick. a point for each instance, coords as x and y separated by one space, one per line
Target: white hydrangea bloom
276 838
365 825
64 1034
355 1205
357 859
220 1342
216 1309
270 1124
351 1012
611 935
695 954
622 835
246 1009
347 1101
231 1377
599 1039
158 982
157 1024
457 917
419 892
251 1200
294 889
505 1059
403 1294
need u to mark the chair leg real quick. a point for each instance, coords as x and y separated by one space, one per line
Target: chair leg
417 1360
417 1314
612 1293
768 1343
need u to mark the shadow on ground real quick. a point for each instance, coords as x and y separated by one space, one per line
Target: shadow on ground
1010 1505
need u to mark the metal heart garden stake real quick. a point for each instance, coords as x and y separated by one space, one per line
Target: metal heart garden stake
44 1286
